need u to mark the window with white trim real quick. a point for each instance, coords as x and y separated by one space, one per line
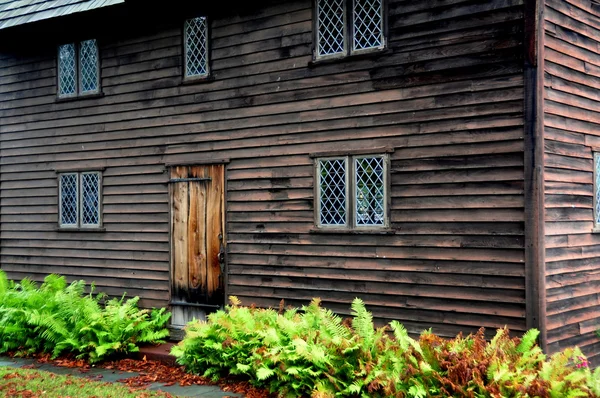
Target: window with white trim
195 41
78 69
345 27
352 192
79 199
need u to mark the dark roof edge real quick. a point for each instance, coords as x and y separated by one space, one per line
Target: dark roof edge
50 9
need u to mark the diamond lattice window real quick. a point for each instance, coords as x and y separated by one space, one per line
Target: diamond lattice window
79 199
344 27
88 66
90 198
367 24
332 187
78 69
331 30
67 70
68 199
370 191
196 47
352 192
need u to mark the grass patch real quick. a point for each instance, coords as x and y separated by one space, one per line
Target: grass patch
35 383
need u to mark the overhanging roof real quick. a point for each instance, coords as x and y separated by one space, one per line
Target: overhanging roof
19 12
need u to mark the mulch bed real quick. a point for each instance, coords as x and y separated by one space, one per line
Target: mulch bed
157 372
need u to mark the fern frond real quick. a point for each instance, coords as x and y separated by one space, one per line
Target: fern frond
4 285
234 301
528 341
363 322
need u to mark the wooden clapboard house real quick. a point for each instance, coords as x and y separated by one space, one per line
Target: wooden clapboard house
438 158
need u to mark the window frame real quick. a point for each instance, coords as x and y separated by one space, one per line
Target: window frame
78 93
207 75
75 93
316 25
60 201
349 50
382 46
317 190
351 214
79 225
79 74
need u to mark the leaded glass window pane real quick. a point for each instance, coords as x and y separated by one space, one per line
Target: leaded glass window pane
196 47
332 191
68 199
331 29
79 203
369 191
67 70
90 198
88 66
368 24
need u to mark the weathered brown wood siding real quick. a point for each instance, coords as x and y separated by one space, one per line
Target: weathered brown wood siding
448 97
572 130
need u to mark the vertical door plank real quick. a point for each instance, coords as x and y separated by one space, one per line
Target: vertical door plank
197 237
214 228
224 233
179 212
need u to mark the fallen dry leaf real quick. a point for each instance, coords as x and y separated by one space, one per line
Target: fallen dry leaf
152 372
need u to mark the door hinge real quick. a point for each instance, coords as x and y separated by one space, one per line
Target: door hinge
173 180
198 305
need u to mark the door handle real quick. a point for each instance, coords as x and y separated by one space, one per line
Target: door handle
221 255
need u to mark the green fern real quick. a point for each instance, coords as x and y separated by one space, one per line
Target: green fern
528 341
4 284
58 317
363 322
311 352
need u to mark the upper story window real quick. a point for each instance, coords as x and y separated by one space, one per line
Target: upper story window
345 27
352 192
79 199
78 69
195 41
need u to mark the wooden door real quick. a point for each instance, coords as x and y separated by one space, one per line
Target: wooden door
197 241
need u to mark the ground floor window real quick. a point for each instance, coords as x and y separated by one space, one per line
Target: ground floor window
352 191
79 199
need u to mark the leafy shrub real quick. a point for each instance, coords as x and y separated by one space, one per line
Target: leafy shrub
60 318
314 353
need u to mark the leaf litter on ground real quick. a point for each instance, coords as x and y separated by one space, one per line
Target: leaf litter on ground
153 372
31 383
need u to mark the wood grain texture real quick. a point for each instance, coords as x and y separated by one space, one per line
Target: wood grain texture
571 119
215 212
447 96
197 235
180 213
534 171
197 222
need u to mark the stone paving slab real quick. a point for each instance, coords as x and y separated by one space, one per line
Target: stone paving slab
111 376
